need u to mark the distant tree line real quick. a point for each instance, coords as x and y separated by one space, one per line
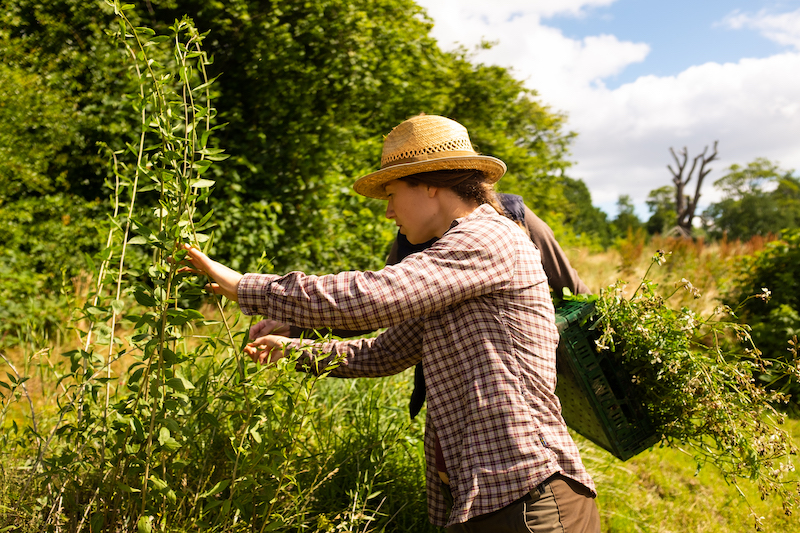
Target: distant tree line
758 199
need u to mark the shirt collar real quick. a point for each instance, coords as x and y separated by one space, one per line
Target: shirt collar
483 209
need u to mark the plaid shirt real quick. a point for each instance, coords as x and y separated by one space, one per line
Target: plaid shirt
476 310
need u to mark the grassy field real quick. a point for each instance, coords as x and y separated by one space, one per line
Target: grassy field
359 433
660 490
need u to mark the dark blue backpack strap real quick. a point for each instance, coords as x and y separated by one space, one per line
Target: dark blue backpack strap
514 206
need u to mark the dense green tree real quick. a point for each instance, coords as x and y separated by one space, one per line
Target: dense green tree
588 224
661 203
307 91
758 199
626 220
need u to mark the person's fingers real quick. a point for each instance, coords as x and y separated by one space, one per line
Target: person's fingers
194 262
195 256
257 329
252 352
268 326
266 349
213 287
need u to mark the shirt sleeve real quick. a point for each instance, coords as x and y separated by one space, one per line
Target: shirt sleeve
387 354
556 265
471 259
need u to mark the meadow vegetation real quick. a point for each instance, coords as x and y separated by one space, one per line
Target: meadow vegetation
126 401
342 455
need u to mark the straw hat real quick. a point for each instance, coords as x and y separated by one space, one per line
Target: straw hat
423 144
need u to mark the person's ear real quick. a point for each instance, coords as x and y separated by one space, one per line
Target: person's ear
432 191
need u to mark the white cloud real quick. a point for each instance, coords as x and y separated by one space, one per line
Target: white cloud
560 67
624 135
447 12
751 107
782 28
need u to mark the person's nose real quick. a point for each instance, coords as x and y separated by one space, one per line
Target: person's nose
389 210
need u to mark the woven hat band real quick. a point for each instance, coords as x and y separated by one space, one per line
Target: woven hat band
429 157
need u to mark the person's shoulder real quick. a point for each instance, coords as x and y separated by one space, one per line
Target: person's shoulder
485 222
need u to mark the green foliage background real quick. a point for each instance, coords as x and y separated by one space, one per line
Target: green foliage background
306 91
758 199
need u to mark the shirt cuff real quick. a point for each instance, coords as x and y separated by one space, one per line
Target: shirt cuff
253 291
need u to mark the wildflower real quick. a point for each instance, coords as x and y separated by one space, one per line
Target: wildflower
686 284
691 323
765 294
673 366
656 357
723 310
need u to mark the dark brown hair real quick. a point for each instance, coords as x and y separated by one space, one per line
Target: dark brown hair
469 185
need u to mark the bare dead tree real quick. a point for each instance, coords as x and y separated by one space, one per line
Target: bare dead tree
685 207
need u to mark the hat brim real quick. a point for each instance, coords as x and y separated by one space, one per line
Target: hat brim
372 184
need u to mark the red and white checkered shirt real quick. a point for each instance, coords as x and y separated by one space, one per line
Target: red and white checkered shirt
475 308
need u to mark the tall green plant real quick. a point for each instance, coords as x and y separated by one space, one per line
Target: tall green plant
130 430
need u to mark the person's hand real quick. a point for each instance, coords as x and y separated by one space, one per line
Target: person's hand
225 281
267 349
268 327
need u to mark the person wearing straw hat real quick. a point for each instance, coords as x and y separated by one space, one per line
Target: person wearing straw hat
474 308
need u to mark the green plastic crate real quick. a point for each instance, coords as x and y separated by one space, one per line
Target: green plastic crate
596 393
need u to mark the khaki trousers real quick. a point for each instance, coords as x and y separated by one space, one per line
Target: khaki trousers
559 505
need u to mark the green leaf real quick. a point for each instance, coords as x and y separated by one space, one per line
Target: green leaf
206 84
144 299
138 240
202 183
160 39
166 440
180 383
216 489
206 218
118 306
158 483
163 434
145 524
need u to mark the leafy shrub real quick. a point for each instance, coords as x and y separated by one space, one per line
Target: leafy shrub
45 241
775 323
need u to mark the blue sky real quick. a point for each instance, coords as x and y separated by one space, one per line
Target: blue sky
636 77
680 33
